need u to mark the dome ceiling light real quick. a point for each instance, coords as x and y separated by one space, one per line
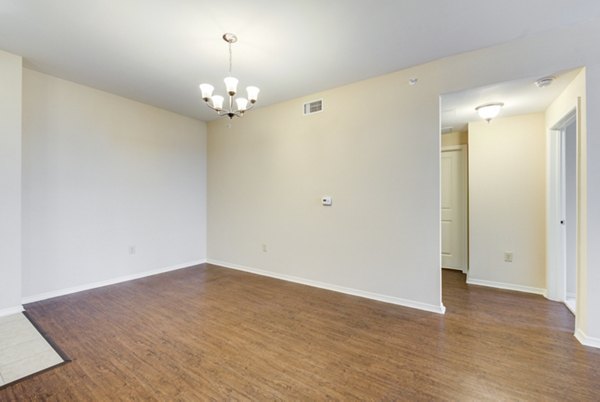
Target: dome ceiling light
489 110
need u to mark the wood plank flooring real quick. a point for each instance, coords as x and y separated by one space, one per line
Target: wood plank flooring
213 333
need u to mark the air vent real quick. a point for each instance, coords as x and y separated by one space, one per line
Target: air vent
545 82
313 107
447 130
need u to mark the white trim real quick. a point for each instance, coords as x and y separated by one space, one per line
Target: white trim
341 289
587 340
506 286
94 285
11 310
555 257
571 305
460 147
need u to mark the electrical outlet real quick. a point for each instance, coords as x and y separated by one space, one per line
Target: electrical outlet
131 250
264 248
508 256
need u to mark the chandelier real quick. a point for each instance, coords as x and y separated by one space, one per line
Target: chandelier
215 102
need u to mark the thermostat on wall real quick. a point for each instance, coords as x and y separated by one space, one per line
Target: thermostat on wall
326 201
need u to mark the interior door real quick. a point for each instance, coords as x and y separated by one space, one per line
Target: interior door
454 208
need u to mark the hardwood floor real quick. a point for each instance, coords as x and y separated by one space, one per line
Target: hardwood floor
213 333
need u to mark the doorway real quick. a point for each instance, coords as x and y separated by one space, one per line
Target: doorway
562 211
508 202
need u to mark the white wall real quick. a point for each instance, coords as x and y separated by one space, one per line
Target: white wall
10 183
507 198
589 324
100 174
588 309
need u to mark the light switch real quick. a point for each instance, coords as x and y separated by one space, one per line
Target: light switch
326 201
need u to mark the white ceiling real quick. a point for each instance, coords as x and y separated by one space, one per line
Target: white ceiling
158 51
519 97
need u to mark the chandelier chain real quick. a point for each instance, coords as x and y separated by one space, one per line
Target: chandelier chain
230 58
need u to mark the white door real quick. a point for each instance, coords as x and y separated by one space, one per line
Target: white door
454 208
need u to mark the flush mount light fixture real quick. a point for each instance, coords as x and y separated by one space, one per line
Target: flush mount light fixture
489 110
215 102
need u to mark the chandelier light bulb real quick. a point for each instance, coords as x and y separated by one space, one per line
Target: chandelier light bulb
242 104
217 102
231 85
207 91
252 94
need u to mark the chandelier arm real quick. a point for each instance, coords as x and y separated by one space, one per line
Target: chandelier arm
251 106
211 106
220 112
224 112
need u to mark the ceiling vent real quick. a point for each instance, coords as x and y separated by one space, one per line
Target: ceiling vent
545 82
313 107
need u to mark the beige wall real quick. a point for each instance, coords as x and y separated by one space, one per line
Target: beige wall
10 183
507 197
267 174
455 138
101 174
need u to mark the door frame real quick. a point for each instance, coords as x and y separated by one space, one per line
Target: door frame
556 233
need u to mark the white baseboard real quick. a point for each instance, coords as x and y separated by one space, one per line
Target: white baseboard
571 305
587 340
11 310
506 286
88 286
341 289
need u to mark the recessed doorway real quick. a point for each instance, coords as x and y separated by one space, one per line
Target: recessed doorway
562 210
